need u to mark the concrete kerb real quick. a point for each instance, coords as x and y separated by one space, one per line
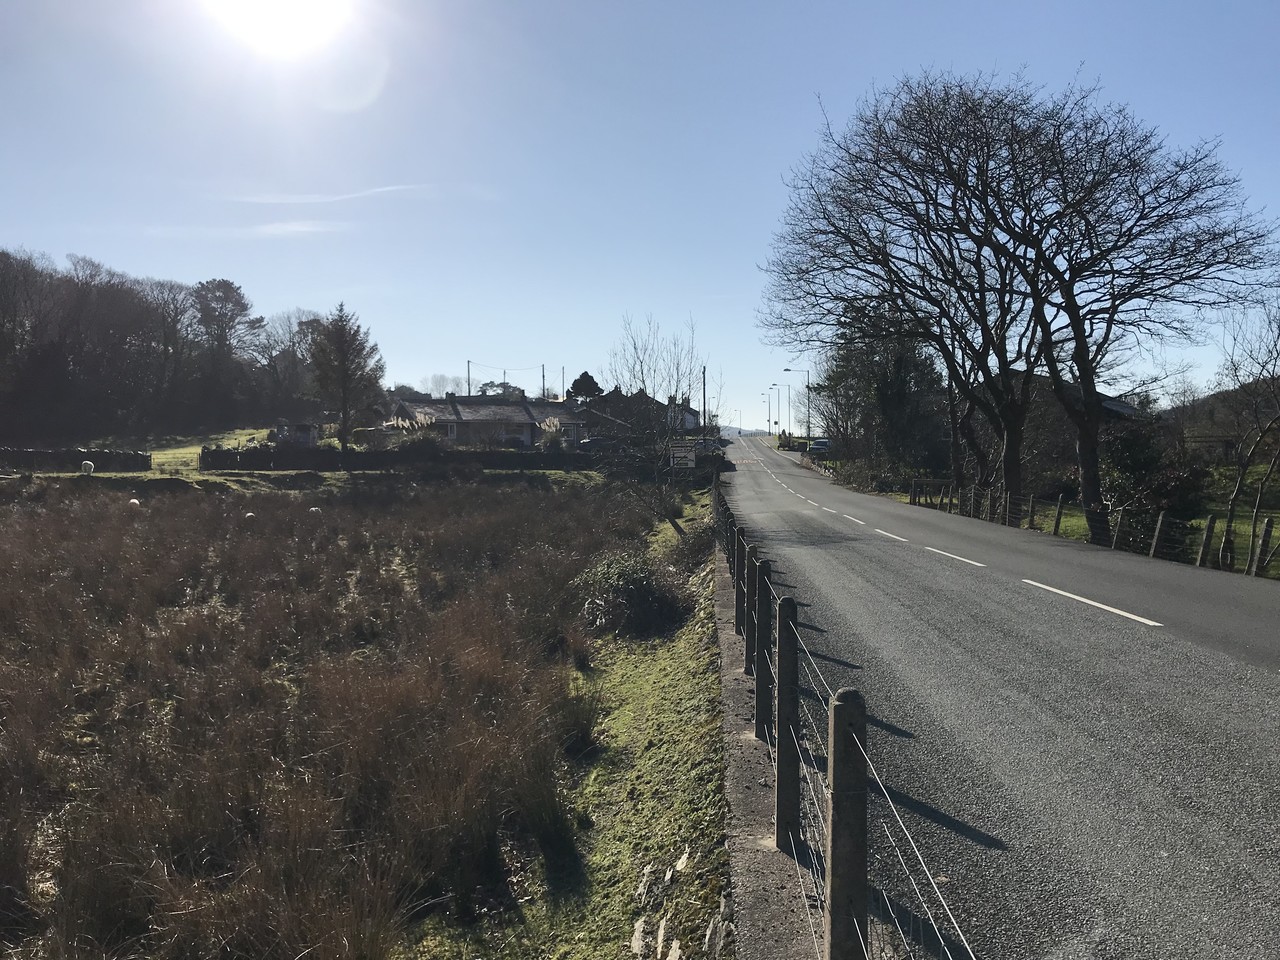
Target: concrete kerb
771 921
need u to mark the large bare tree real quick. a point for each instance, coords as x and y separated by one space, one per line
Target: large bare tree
1012 231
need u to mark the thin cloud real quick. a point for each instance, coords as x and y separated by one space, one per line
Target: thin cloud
302 198
283 228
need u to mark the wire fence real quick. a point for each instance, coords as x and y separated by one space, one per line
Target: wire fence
867 888
1245 545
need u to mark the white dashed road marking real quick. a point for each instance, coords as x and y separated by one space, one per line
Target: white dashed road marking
956 557
854 519
892 536
828 509
1095 603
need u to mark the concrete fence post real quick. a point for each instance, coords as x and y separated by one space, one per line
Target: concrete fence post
912 500
846 917
1008 507
1207 541
1264 547
739 580
1031 514
764 672
973 501
991 505
1257 554
1155 537
1057 517
787 798
1115 534
749 610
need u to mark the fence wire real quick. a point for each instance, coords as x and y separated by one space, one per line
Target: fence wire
916 921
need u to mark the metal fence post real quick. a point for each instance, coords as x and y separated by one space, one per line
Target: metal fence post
752 572
1203 557
846 917
787 799
1155 537
1057 517
764 672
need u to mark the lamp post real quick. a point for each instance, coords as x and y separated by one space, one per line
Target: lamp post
768 407
788 386
808 402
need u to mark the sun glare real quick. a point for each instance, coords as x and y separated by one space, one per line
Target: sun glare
282 29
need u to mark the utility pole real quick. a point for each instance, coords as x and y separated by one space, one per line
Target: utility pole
544 380
704 401
468 378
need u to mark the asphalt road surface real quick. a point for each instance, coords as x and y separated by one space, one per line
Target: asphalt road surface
1085 744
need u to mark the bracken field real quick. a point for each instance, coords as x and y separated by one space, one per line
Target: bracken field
283 725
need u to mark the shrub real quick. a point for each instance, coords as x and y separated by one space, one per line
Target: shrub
624 593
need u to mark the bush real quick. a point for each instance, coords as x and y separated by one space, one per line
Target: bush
624 593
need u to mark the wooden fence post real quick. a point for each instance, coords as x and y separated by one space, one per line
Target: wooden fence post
739 580
1031 514
846 917
1115 534
1057 517
787 798
749 609
1207 542
764 673
1155 537
912 499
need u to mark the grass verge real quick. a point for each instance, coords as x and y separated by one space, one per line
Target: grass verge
651 865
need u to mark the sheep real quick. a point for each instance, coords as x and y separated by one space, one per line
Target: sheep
87 468
135 503
250 516
314 510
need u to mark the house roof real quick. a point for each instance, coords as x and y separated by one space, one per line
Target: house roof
491 410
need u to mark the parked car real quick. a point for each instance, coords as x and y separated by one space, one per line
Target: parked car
819 449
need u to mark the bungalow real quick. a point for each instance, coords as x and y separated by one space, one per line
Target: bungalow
494 421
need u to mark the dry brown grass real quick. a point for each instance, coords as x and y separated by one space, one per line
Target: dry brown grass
230 736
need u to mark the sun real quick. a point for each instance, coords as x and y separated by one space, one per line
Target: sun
282 29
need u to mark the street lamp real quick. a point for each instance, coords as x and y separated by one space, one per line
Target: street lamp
808 402
788 386
768 406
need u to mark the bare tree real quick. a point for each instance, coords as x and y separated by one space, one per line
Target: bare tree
1250 405
887 239
1011 231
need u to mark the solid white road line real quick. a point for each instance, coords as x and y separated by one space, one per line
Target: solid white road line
956 557
854 519
892 536
1095 603
828 509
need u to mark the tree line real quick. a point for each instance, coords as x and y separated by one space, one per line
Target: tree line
87 351
978 241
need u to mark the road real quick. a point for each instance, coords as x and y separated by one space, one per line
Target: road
1085 744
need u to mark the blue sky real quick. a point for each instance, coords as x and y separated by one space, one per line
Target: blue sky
501 182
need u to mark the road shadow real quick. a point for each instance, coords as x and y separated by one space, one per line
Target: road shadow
945 820
891 728
912 925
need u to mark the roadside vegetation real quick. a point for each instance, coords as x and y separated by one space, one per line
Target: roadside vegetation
337 723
